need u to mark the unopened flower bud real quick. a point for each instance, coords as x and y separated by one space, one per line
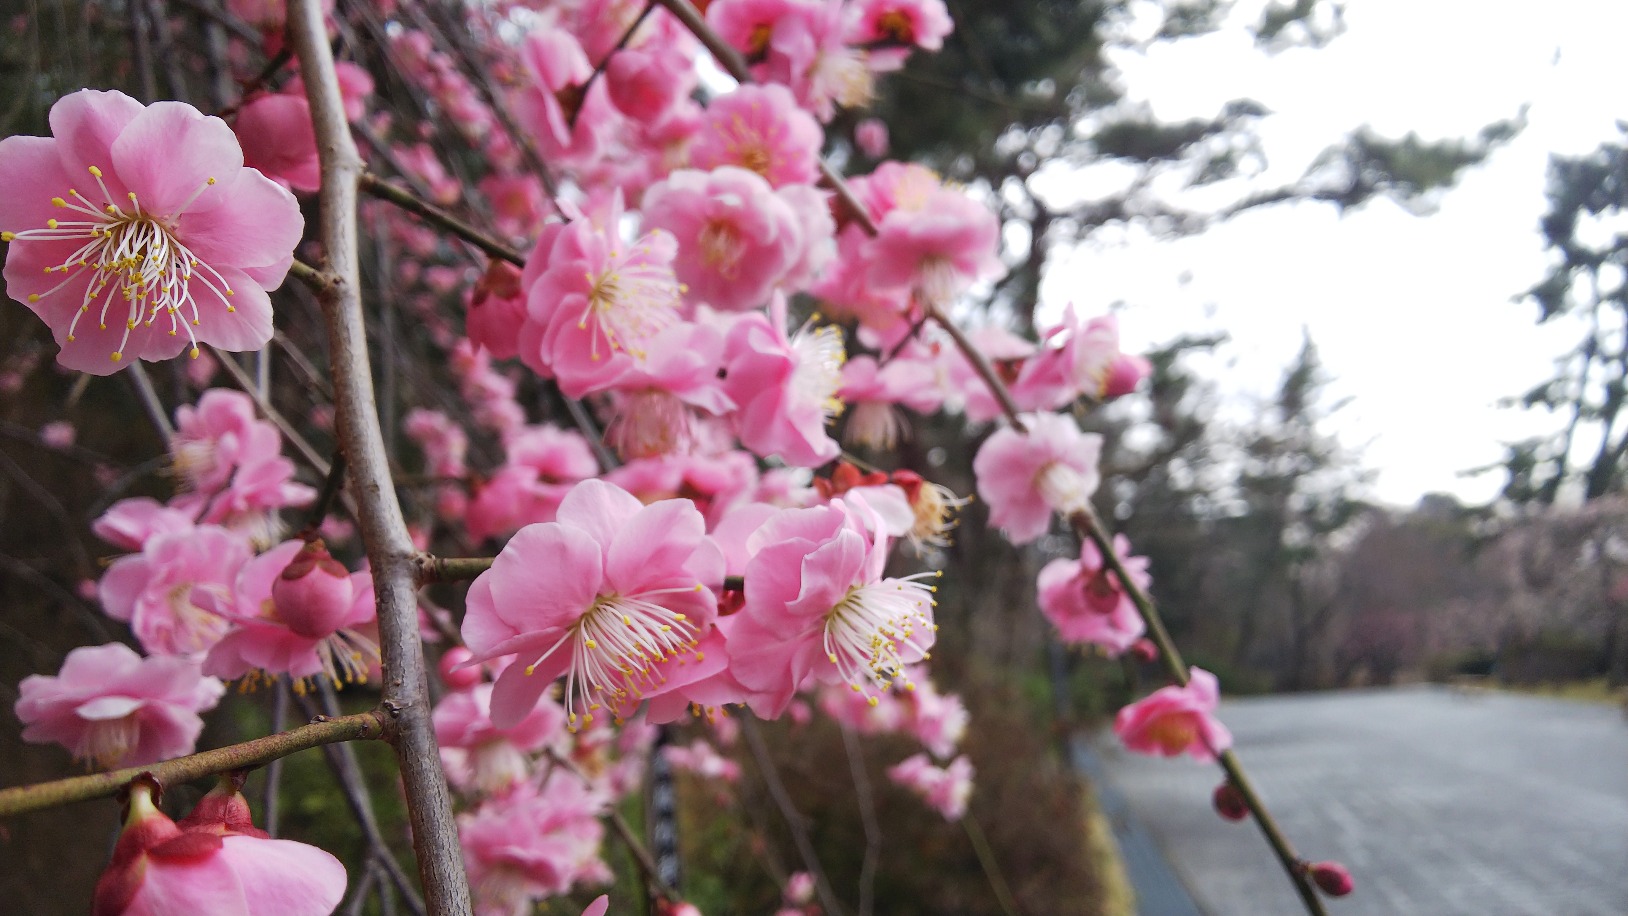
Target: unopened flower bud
1229 802
1144 650
314 593
1123 375
1332 877
452 675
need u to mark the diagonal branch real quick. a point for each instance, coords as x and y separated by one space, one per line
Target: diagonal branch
22 799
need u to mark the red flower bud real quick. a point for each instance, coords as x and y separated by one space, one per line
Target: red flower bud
1229 802
1144 650
1332 877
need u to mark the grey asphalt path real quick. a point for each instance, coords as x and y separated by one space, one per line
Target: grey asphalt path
1440 802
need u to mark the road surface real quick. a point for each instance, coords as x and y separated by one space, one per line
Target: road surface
1440 802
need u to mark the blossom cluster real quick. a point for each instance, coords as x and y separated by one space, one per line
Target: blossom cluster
729 322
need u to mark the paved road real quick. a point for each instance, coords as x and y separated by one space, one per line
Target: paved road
1440 803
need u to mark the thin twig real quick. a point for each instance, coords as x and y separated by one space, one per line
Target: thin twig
796 823
992 869
385 191
867 818
342 761
160 418
312 457
269 802
1089 527
362 726
621 43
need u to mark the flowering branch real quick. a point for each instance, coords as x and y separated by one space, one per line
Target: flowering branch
1089 527
362 726
1085 522
384 530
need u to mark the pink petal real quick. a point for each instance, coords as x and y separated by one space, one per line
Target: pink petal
85 124
247 326
285 878
109 708
260 226
515 694
601 509
547 576
653 544
169 151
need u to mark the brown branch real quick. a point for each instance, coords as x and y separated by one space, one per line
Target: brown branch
1089 527
432 569
385 191
384 530
362 726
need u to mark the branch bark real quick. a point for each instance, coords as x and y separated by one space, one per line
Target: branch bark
22 799
384 530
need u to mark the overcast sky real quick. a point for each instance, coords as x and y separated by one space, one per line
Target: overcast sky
1412 314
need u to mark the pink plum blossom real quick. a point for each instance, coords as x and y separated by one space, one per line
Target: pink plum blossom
165 591
786 387
173 244
160 868
1086 601
947 790
1176 720
543 464
871 391
938 251
113 707
737 240
871 136
595 308
703 760
1024 477
817 606
1080 358
907 23
495 758
937 720
232 463
660 398
609 596
760 129
128 523
497 309
533 843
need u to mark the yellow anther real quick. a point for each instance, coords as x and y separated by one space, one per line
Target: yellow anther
58 202
33 297
116 356
7 236
871 700
96 171
590 644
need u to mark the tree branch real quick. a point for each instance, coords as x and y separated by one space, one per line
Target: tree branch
384 530
362 726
